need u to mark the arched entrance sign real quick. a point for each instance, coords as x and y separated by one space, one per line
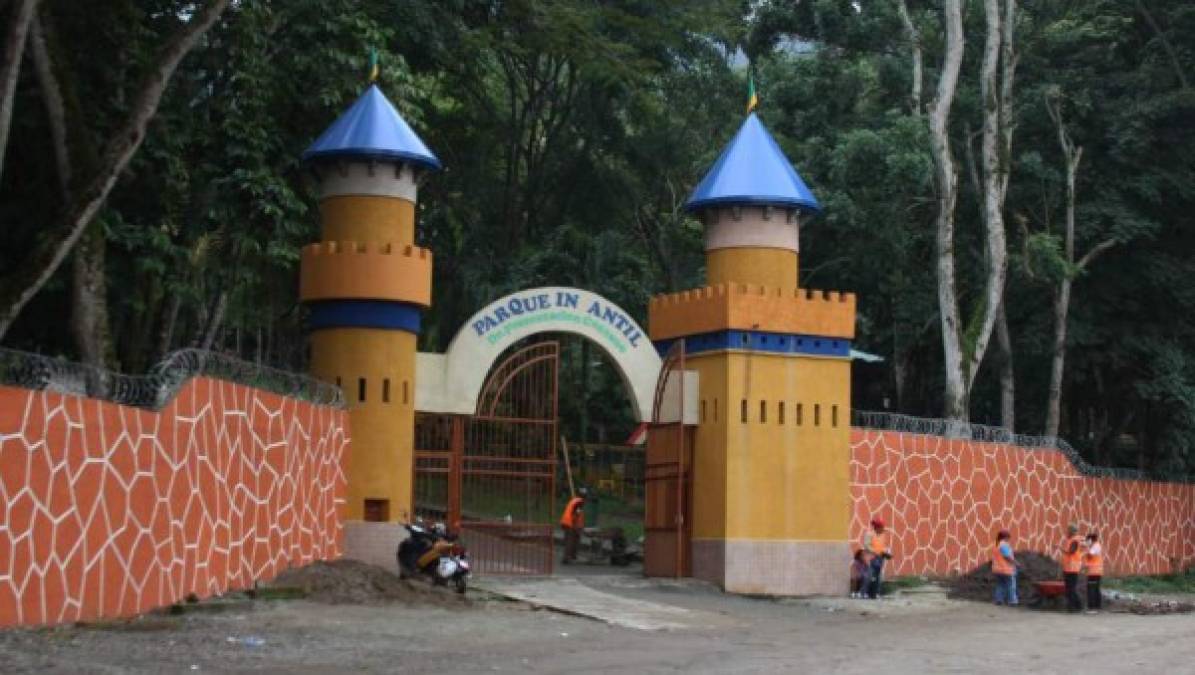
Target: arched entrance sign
451 382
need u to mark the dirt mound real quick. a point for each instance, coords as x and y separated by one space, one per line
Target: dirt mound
355 582
980 583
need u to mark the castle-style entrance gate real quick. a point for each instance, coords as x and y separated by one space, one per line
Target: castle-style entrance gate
491 476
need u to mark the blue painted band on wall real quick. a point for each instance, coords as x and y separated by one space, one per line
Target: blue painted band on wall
760 341
364 314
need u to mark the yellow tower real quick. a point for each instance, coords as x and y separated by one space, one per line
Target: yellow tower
365 285
771 456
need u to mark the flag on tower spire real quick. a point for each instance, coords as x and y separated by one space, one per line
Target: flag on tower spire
373 65
752 99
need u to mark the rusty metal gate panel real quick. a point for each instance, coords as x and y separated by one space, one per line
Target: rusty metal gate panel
668 475
491 476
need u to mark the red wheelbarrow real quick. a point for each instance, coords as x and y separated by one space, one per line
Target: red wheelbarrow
1051 591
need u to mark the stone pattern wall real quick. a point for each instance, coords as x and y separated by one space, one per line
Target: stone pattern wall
108 510
945 499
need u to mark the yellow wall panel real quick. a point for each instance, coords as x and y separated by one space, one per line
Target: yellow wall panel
380 462
368 218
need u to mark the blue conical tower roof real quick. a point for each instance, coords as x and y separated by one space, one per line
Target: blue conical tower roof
753 170
372 129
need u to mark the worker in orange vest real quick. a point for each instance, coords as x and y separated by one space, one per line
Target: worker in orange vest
875 542
1093 560
1072 564
572 521
1004 568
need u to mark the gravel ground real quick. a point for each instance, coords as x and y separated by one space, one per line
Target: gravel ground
915 632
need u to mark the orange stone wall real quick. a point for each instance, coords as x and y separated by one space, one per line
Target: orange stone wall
108 511
945 499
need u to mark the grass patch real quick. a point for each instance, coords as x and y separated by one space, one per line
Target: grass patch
280 593
902 583
143 623
1182 582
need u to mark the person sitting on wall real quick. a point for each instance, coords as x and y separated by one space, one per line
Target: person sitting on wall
1004 568
875 542
1093 560
572 521
1072 564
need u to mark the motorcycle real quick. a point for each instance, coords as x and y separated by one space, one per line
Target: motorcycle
434 554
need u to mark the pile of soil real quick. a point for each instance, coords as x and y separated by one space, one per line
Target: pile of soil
980 583
355 582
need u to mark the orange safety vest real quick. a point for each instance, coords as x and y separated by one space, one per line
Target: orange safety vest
1095 564
573 517
1072 563
879 543
1000 564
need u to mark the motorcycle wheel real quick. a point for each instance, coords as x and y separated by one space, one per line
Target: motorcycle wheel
460 585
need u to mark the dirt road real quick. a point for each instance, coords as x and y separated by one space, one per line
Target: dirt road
917 633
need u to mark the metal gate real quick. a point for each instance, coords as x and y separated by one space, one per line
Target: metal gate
491 476
668 475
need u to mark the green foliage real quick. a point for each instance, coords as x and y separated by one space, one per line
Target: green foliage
572 132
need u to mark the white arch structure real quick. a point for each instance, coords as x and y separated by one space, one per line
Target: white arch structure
452 381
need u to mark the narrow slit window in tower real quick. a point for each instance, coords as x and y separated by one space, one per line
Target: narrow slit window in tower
703 411
386 390
743 411
800 409
780 414
763 412
834 415
406 392
817 414
361 389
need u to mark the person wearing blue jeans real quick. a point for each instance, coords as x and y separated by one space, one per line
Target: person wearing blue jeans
1004 568
875 543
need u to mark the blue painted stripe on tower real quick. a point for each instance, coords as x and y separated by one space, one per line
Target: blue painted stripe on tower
364 314
760 341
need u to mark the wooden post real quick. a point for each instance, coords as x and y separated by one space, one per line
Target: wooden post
568 469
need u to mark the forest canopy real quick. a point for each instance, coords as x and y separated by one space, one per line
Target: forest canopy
1007 186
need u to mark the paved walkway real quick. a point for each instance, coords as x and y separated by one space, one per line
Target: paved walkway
574 597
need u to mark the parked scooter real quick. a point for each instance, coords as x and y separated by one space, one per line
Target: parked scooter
434 554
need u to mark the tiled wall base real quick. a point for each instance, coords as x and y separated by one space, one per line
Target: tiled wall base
773 567
373 543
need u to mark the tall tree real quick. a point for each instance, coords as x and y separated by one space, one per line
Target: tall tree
955 360
19 287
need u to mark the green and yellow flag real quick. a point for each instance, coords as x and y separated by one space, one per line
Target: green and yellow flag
752 99
373 65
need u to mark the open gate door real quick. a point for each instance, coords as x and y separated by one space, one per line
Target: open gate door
668 475
491 476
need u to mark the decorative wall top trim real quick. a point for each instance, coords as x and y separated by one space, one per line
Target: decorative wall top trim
158 387
983 433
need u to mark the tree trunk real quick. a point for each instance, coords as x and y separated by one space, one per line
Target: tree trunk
23 12
89 299
89 314
31 275
914 37
1008 385
216 321
1072 155
996 92
166 336
955 395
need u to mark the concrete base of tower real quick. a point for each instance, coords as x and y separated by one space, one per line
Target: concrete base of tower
774 567
373 543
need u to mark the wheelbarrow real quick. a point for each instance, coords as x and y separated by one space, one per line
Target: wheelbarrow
1048 591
